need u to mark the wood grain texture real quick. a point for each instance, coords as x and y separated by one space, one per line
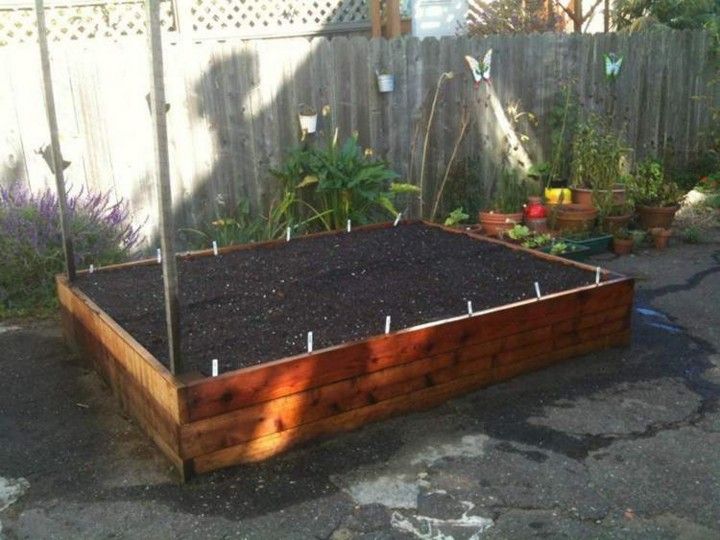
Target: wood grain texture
233 107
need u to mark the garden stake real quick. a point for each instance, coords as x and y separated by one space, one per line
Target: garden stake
397 219
215 367
310 342
159 256
215 250
597 276
349 226
537 290
387 324
470 308
92 268
287 235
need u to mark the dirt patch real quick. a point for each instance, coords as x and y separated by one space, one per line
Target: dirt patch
256 305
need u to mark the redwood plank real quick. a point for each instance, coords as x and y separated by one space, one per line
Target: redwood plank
240 388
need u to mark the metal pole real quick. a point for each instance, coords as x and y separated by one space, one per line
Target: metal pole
162 181
57 159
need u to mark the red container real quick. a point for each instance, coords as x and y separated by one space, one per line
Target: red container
534 209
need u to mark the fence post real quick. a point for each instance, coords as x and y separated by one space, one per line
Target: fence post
57 159
393 18
375 18
162 181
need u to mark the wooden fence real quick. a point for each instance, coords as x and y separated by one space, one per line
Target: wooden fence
233 106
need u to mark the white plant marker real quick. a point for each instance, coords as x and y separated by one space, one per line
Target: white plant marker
159 256
287 235
397 219
310 342
92 268
387 324
597 276
537 290
349 226
215 249
215 367
470 310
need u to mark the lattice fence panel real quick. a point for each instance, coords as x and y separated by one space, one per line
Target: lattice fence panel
105 19
251 17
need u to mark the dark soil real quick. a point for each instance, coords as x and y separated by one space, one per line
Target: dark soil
251 306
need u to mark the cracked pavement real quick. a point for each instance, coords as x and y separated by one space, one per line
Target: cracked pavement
624 443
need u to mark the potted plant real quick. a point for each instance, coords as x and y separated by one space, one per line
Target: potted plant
596 165
506 208
574 217
616 218
308 118
622 242
386 82
661 237
656 198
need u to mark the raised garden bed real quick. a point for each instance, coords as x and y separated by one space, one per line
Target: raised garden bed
252 306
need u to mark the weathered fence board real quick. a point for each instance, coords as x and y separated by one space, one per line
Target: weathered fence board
233 106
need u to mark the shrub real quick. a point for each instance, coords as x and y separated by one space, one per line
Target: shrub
649 186
31 242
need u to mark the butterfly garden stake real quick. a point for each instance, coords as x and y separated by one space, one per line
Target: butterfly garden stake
480 70
613 63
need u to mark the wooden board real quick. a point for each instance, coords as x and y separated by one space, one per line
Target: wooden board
253 413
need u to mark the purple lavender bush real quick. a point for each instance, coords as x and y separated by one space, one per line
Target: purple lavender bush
31 242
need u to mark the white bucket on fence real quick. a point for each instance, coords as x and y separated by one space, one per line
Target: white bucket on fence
386 83
308 122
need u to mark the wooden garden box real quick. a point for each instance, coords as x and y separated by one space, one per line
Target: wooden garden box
202 424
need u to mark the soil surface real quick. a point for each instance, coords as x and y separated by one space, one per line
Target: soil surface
256 305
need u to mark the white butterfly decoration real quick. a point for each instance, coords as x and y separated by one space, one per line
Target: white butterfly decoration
480 70
613 63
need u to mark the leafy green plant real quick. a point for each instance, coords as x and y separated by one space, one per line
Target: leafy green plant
692 235
558 248
519 232
597 156
338 183
622 234
648 186
537 241
638 236
456 217
512 193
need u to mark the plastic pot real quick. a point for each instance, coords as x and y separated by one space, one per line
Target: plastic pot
555 195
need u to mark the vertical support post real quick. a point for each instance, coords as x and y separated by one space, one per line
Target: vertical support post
393 18
57 159
375 19
162 181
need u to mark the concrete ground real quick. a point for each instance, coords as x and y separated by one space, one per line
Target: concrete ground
619 444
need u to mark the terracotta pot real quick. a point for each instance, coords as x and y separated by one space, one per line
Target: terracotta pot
622 246
615 223
574 217
495 223
661 237
656 216
584 196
